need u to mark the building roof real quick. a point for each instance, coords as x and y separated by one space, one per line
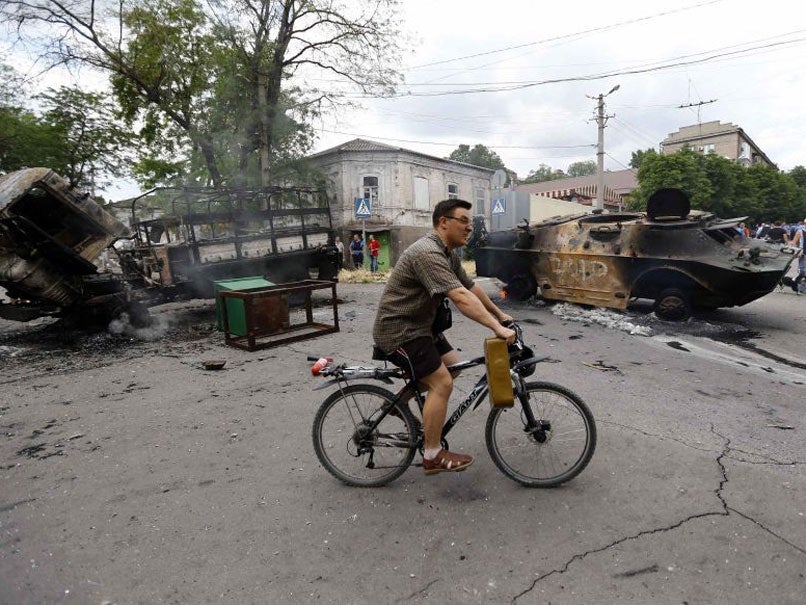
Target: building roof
359 145
619 183
708 130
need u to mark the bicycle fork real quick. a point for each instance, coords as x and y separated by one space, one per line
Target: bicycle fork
537 428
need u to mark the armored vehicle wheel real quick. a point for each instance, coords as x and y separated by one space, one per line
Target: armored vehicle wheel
521 287
673 305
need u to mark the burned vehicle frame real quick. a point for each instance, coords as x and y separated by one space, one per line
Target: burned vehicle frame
62 254
678 258
197 236
50 235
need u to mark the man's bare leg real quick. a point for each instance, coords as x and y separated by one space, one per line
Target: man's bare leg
440 385
435 459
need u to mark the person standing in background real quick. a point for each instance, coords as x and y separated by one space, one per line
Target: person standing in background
357 250
374 247
340 248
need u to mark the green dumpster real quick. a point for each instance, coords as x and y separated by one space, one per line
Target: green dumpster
236 313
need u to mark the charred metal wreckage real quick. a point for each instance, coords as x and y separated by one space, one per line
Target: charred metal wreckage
678 258
62 254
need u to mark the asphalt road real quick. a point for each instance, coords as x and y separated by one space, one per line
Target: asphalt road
129 474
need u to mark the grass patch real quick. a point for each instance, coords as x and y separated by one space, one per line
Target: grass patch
362 276
365 276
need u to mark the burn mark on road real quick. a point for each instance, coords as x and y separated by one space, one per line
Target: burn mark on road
678 345
637 572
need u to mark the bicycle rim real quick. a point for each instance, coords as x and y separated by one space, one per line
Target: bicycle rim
350 450
553 453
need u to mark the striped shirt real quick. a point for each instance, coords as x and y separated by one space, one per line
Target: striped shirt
425 272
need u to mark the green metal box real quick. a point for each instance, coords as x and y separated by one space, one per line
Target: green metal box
236 312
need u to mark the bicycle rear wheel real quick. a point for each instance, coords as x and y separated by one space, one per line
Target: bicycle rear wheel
545 439
350 449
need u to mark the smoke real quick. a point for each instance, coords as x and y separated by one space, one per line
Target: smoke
8 351
157 327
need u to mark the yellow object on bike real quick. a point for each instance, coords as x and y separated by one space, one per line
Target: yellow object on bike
496 356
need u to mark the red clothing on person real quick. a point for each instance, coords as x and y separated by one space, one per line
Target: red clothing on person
374 246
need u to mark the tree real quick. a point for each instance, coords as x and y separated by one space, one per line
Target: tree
798 174
681 170
637 157
718 185
582 168
92 141
479 155
543 173
25 142
213 79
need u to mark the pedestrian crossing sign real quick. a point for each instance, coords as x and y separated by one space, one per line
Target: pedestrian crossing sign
363 208
500 206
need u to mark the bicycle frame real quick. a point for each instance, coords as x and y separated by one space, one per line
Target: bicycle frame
474 398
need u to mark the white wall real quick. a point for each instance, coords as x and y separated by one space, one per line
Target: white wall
543 208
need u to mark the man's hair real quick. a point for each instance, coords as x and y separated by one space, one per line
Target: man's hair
445 207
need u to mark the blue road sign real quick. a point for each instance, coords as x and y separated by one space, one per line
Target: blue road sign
363 208
499 206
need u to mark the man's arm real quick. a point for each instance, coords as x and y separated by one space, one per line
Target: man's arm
490 305
472 306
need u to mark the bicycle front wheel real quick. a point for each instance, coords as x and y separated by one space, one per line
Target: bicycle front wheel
545 439
351 448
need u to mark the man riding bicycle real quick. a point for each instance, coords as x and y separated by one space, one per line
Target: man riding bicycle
427 272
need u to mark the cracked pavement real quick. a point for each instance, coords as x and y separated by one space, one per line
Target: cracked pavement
128 474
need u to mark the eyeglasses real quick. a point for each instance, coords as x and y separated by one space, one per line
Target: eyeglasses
463 220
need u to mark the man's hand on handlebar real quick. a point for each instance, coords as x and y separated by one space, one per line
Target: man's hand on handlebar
505 333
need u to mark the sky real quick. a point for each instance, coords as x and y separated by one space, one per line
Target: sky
743 60
522 78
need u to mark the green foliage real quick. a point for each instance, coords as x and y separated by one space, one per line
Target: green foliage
718 185
582 168
91 140
637 157
479 155
798 174
210 84
25 142
543 173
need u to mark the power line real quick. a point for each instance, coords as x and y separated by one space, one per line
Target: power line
592 77
566 36
373 137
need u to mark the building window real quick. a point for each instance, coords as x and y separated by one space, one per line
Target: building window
710 148
421 198
453 191
481 201
371 191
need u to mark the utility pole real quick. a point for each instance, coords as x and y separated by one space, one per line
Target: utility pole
601 120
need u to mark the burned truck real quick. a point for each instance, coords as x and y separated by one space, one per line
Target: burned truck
61 253
50 236
184 240
680 259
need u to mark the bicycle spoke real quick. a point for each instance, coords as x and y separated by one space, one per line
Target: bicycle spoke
556 449
353 446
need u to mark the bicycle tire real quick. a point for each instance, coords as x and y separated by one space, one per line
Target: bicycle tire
563 446
353 457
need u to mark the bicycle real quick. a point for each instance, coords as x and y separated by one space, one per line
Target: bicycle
367 436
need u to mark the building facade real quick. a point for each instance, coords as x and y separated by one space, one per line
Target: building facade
727 140
401 187
582 189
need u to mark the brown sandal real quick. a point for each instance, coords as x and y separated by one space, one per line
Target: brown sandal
446 461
